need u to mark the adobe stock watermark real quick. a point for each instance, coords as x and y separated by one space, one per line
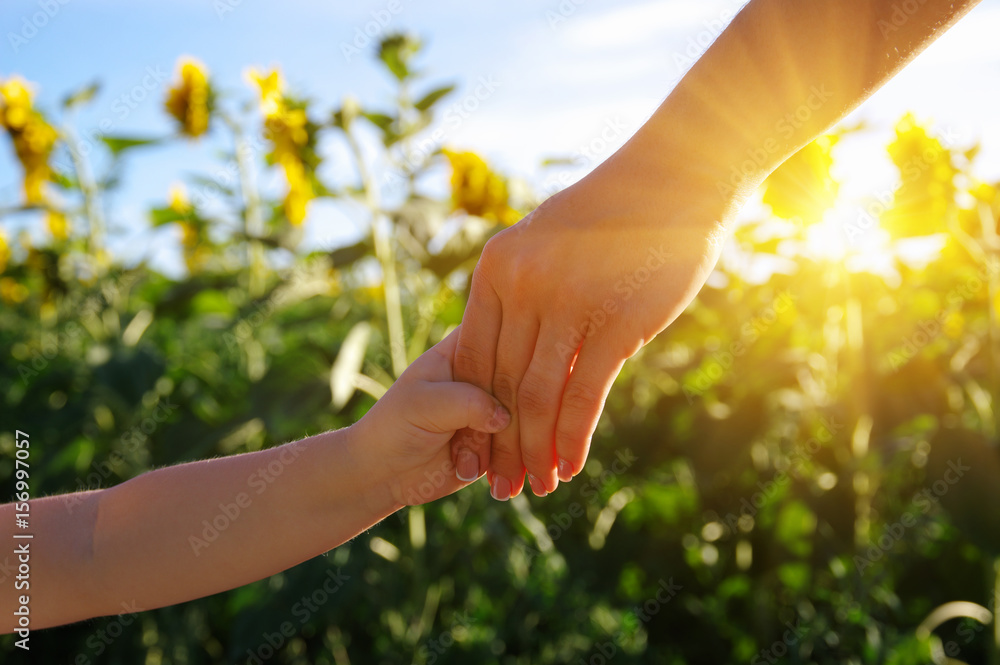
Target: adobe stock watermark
968 631
110 290
559 523
262 310
229 174
425 316
759 156
780 648
767 490
698 43
722 360
102 638
455 114
365 35
625 288
223 7
36 22
902 12
910 171
258 481
435 647
603 652
129 442
562 12
150 81
303 610
48 347
930 329
434 480
588 154
921 503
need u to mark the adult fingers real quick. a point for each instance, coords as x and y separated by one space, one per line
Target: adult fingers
538 399
475 353
582 402
514 349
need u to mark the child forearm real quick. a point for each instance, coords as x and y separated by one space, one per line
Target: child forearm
191 530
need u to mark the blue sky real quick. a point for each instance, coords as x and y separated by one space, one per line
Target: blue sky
600 69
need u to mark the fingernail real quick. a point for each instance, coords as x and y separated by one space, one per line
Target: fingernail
500 419
537 486
500 488
565 471
467 466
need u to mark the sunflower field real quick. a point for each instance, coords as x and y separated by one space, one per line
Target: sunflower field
803 468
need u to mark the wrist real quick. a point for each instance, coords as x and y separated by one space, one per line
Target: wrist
373 478
682 162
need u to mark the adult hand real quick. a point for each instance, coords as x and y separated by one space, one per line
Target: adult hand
562 299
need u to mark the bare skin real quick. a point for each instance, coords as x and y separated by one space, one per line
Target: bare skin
149 542
562 299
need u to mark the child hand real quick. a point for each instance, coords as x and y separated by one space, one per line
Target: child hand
407 433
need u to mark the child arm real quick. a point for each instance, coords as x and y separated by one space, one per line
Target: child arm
195 529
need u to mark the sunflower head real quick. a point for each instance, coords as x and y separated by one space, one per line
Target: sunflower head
292 137
271 85
802 188
189 99
4 252
477 190
927 175
33 137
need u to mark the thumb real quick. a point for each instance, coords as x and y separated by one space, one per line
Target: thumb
453 406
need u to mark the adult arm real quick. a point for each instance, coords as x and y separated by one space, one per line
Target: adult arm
602 267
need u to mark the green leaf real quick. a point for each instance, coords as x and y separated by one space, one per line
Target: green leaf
386 124
212 301
795 576
559 161
796 523
161 216
347 366
432 97
118 144
380 120
345 256
396 51
81 96
963 473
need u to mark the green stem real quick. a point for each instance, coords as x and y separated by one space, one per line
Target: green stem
91 199
386 256
253 223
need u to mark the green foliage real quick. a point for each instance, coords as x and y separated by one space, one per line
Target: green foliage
779 501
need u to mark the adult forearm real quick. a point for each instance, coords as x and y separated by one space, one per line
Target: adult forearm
781 73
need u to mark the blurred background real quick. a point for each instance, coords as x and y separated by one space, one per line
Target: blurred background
226 225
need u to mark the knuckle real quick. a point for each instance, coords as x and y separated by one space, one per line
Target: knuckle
538 459
505 456
533 400
505 389
494 260
581 398
472 365
491 253
477 442
570 434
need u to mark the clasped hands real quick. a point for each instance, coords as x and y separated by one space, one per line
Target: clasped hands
561 300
